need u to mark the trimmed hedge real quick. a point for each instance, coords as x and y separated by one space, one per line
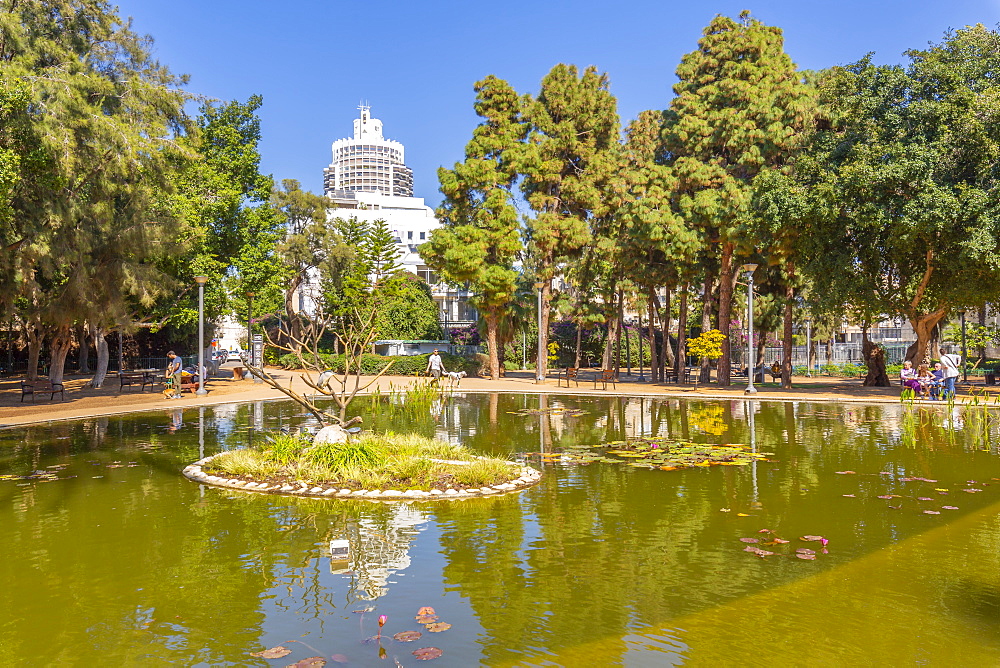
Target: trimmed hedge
402 365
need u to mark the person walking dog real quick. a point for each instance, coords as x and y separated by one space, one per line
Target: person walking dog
435 367
950 362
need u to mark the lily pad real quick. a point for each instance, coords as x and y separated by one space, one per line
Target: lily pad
810 557
311 662
407 636
931 512
427 653
273 653
426 619
811 539
949 507
438 627
749 540
426 610
805 550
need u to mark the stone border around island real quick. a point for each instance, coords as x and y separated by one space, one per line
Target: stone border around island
528 477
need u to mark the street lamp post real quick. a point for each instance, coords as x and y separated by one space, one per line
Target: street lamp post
201 280
965 367
809 347
751 368
539 377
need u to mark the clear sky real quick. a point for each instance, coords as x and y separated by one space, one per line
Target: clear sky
415 62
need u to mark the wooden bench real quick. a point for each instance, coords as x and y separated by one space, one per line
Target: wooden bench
34 387
568 374
126 378
604 376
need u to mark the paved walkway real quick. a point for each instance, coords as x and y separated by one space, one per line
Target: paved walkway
82 401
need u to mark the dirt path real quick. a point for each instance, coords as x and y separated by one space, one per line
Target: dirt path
82 401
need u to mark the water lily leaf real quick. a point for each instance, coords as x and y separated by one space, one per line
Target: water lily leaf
776 541
438 627
426 619
311 662
749 540
805 550
810 557
844 472
764 531
851 496
751 549
407 636
924 498
426 610
764 553
931 512
949 507
811 539
273 653
885 496
427 653
972 490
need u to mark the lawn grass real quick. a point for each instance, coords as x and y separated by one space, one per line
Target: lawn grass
371 461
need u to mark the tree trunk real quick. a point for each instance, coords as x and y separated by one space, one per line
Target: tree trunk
654 359
607 359
874 357
543 335
829 350
726 278
59 349
83 358
666 350
35 336
923 325
786 338
492 318
680 360
103 356
579 345
706 324
618 335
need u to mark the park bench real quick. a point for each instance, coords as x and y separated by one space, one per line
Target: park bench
126 378
604 376
34 387
568 374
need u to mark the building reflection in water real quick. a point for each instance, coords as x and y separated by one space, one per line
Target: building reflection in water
370 549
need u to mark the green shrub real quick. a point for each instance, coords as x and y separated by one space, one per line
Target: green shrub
362 452
402 365
284 448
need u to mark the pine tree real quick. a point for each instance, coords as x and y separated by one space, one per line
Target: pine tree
567 164
479 239
739 110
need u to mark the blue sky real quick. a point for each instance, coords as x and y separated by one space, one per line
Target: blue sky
416 62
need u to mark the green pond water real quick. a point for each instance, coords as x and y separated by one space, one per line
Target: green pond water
110 557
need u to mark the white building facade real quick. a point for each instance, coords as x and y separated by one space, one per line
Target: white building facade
368 180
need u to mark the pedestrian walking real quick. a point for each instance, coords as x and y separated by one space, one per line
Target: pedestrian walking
435 367
950 362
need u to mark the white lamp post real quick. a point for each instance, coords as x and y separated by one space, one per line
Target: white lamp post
749 269
201 280
539 377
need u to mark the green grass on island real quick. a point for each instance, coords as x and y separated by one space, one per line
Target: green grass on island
371 461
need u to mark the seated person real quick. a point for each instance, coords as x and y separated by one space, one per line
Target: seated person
908 377
937 381
925 378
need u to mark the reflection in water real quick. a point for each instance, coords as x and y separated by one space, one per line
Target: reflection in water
114 559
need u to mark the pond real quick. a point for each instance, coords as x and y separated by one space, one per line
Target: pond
111 557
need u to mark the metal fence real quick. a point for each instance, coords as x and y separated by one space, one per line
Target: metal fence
843 353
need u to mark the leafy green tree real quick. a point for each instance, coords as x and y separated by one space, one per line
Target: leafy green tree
566 165
739 111
479 240
900 185
101 131
406 309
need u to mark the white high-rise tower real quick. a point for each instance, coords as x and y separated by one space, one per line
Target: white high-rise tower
368 162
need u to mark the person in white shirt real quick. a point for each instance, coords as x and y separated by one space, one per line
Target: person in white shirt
950 362
435 367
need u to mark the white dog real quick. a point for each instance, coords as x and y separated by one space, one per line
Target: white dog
455 378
